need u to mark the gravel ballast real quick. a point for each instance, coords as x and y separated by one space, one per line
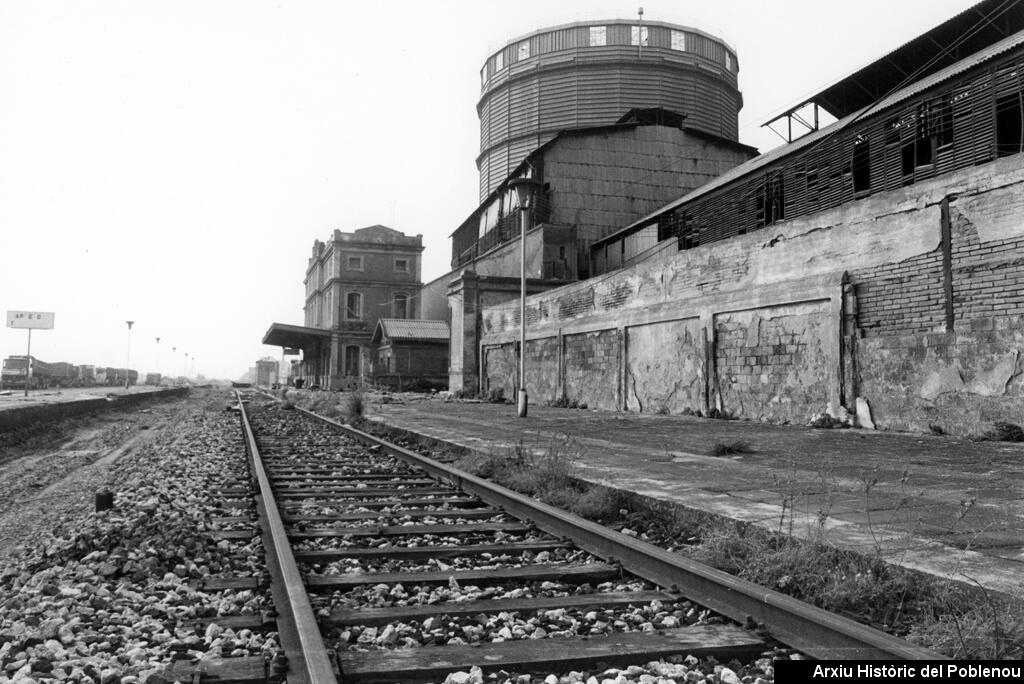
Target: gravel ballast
115 596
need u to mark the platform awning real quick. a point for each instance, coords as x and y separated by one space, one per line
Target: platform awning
284 335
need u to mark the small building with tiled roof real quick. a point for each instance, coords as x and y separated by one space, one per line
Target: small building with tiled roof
411 354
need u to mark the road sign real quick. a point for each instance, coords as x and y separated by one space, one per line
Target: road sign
40 320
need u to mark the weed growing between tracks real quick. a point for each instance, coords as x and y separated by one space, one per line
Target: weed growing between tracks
546 474
937 614
346 407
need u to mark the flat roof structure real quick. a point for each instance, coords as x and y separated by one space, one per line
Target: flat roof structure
285 335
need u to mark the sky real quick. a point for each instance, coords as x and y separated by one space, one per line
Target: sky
171 163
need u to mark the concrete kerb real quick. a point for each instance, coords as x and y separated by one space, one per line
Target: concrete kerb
17 417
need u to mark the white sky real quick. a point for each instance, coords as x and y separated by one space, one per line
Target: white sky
172 162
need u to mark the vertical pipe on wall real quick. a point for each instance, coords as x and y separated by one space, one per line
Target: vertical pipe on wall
622 386
947 263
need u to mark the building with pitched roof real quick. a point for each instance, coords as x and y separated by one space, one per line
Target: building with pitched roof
871 268
411 354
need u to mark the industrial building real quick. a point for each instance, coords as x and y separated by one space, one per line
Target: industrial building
872 268
590 74
613 120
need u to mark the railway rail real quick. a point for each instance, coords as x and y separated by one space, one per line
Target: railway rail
366 540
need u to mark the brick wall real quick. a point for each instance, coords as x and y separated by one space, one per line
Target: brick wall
902 298
542 375
772 364
988 277
817 343
919 375
592 368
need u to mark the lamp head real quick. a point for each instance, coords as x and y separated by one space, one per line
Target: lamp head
526 189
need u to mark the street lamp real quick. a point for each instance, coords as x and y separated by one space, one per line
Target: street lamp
128 366
158 358
525 189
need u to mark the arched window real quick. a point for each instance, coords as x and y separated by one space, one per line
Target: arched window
400 305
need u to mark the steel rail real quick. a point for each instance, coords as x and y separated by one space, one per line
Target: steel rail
313 662
798 624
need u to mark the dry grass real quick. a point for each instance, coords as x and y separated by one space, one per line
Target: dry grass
730 448
937 614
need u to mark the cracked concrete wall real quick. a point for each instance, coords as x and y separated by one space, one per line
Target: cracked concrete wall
917 369
959 382
773 364
912 275
665 367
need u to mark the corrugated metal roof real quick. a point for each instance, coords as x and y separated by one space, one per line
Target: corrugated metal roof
959 37
811 138
411 329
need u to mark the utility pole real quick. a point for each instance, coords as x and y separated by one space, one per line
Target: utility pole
128 364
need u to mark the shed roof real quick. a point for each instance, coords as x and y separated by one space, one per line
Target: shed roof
410 330
783 151
964 34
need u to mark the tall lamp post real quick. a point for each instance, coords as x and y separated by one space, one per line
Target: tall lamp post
128 366
158 358
525 189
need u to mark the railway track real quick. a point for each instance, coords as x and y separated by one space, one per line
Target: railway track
388 566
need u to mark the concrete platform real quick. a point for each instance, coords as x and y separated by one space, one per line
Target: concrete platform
16 397
943 505
18 410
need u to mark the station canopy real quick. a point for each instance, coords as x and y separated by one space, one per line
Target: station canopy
296 336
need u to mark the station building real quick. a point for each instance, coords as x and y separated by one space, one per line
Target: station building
353 281
873 267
